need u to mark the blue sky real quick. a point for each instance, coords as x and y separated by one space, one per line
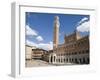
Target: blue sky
42 25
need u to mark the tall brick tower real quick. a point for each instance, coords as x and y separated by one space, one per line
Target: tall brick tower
56 32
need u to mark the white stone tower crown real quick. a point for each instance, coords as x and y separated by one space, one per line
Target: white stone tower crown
56 21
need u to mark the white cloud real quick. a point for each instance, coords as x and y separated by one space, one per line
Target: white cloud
51 42
46 46
82 20
39 38
83 25
33 32
30 31
30 43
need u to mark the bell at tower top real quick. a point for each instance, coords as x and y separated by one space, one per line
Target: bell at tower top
56 22
56 18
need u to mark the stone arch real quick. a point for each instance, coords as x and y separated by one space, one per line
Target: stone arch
84 61
52 58
87 61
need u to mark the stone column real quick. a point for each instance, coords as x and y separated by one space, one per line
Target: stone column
54 59
60 58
